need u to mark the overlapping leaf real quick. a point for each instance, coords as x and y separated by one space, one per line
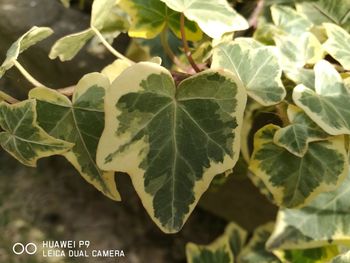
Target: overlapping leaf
80 122
327 105
255 250
214 17
338 44
299 179
172 142
311 255
150 18
113 70
30 38
323 222
223 250
302 130
257 67
23 138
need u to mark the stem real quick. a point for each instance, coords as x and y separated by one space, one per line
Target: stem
282 113
185 44
109 47
27 75
8 98
253 20
167 49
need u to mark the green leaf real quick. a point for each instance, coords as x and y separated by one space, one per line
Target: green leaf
223 250
255 250
151 17
171 141
296 137
311 255
325 221
23 138
214 17
67 47
330 11
328 105
257 67
30 38
80 122
289 20
343 258
338 44
298 180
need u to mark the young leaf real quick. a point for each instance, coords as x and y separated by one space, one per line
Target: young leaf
255 251
23 138
151 17
223 250
214 17
30 38
338 44
323 222
328 105
113 70
257 67
171 141
296 137
80 122
67 47
298 180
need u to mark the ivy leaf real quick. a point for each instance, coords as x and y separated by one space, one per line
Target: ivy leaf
325 221
23 138
296 137
338 44
30 38
289 20
343 258
328 105
171 141
257 67
255 250
214 17
113 70
223 250
66 3
80 122
299 180
151 17
331 11
311 255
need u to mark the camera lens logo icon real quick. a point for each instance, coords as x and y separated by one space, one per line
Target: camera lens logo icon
20 248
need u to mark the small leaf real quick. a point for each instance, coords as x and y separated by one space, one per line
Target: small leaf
80 122
298 180
30 38
67 47
151 17
328 105
311 255
255 251
257 67
343 258
223 250
215 17
338 44
171 141
325 221
66 3
296 136
289 20
23 138
113 70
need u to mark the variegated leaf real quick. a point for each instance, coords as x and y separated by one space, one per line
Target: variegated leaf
310 255
327 105
113 70
214 17
289 20
299 179
343 258
255 250
30 38
338 44
296 137
80 122
171 141
331 11
325 221
257 68
23 138
223 250
150 18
